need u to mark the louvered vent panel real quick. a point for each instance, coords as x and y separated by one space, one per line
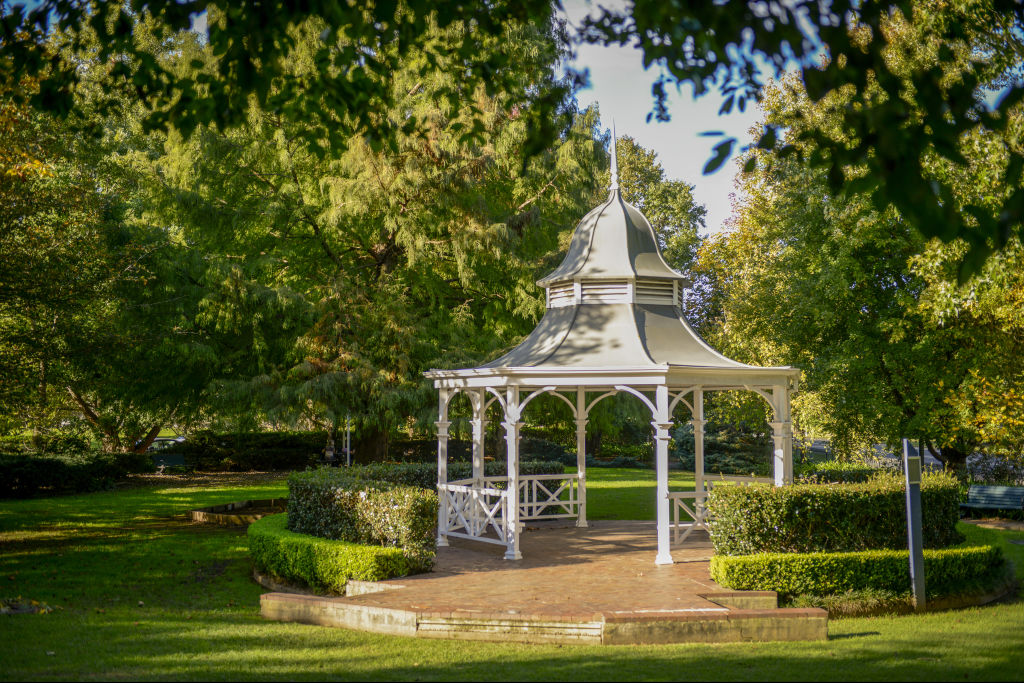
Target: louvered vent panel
655 292
606 292
560 295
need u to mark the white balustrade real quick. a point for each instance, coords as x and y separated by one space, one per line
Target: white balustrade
549 496
474 511
478 508
694 504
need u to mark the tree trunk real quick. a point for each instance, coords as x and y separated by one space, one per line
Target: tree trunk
952 459
109 434
147 440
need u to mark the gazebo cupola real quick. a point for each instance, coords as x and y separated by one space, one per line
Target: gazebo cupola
613 323
613 258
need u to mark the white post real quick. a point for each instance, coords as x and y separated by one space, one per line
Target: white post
442 467
581 454
479 427
512 427
662 423
348 440
698 423
782 437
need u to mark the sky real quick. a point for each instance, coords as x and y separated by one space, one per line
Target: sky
622 89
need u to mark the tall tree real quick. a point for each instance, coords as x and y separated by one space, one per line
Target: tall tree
89 300
843 287
344 275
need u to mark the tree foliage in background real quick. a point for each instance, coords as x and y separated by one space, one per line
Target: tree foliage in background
895 121
846 289
345 274
88 295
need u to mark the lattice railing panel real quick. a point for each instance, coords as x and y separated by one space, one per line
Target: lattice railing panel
475 512
547 496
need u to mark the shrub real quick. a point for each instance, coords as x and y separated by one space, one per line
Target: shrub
947 571
834 471
242 452
29 474
725 452
424 475
425 451
320 563
830 517
72 443
342 505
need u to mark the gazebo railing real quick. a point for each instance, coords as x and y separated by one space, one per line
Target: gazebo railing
478 509
693 503
541 496
475 512
544 496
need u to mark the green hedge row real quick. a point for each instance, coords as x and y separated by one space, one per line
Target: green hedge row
425 450
345 504
424 474
322 564
834 471
807 518
947 571
23 475
242 452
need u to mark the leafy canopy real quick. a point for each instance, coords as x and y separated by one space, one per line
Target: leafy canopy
897 115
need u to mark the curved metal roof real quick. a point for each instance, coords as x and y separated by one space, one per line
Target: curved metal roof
614 241
613 335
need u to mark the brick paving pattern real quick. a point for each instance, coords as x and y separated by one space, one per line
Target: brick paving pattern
605 571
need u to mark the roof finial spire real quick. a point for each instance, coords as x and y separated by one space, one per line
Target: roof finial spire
615 163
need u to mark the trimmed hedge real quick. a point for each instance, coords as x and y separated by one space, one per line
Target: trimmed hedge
835 471
322 564
23 475
242 452
425 450
336 504
424 475
947 571
808 518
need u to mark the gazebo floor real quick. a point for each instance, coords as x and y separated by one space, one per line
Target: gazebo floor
597 585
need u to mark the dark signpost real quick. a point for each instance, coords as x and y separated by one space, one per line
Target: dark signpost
912 469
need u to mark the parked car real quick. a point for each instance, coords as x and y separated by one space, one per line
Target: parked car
162 442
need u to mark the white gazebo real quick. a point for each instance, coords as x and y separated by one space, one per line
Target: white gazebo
614 323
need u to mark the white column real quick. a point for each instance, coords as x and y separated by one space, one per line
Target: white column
662 424
698 423
442 467
512 427
782 438
581 454
479 429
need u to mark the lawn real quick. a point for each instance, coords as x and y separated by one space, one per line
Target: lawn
140 593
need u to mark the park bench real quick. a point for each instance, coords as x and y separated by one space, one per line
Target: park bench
995 497
162 461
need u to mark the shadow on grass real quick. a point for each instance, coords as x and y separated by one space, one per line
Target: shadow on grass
199 615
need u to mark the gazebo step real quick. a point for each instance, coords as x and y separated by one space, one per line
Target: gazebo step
723 624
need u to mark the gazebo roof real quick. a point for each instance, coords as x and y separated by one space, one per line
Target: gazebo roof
614 308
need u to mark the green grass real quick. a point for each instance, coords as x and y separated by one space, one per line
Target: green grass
95 557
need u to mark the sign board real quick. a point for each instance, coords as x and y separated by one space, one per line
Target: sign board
912 470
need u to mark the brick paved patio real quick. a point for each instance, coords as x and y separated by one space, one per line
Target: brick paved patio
570 586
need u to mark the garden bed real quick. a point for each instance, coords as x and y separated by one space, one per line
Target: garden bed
240 513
